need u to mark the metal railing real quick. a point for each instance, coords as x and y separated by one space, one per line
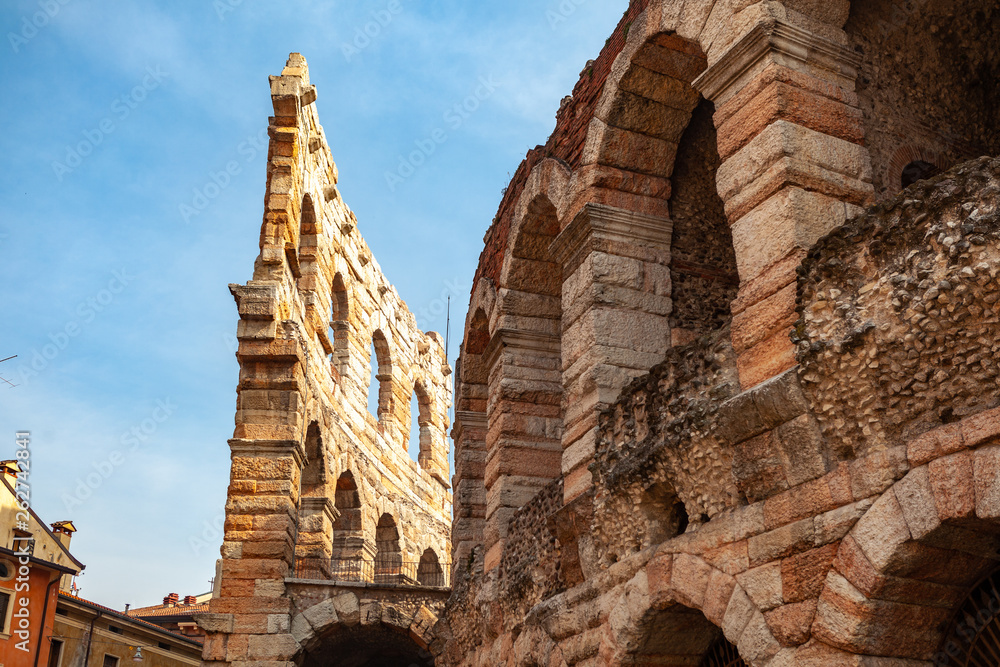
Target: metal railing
382 571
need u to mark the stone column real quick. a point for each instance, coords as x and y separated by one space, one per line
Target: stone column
794 168
314 546
262 505
523 413
615 309
470 491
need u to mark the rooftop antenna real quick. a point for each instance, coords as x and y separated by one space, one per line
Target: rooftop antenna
3 378
447 331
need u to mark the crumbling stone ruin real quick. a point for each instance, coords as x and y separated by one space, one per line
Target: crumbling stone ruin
336 542
727 392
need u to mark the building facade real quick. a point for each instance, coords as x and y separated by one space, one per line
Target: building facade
87 634
727 387
35 564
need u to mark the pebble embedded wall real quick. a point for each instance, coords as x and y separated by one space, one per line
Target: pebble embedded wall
314 474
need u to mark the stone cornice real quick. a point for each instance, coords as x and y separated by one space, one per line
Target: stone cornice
602 222
778 38
523 340
321 504
267 448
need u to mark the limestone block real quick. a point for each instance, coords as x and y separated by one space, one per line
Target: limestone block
763 585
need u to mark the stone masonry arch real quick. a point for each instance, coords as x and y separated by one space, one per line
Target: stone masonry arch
913 557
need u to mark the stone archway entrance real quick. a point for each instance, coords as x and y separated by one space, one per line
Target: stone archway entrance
367 646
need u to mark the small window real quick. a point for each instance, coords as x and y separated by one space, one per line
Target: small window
164 645
110 660
55 652
918 170
62 611
4 605
7 570
115 629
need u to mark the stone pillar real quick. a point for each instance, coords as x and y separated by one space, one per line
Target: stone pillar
470 491
615 309
794 168
314 546
523 414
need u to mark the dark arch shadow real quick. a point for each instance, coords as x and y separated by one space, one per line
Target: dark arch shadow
367 646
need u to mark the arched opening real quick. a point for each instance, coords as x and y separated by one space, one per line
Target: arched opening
348 537
421 439
313 547
339 322
703 276
429 572
471 380
904 573
388 555
665 514
680 635
375 645
526 420
380 400
917 170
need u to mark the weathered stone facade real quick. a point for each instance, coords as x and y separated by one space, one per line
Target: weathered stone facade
762 375
333 534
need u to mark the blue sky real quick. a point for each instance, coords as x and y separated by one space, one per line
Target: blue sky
117 115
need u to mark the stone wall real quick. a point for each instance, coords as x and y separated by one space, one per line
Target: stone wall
777 416
791 548
318 484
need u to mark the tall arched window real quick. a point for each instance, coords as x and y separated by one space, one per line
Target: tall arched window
420 418
348 538
339 322
388 556
429 572
380 400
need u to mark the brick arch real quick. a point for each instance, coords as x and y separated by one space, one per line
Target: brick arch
907 564
346 614
692 601
906 154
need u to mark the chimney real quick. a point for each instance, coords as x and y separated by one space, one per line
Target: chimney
190 599
171 600
10 468
63 530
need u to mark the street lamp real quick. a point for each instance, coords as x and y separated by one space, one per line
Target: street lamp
138 654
